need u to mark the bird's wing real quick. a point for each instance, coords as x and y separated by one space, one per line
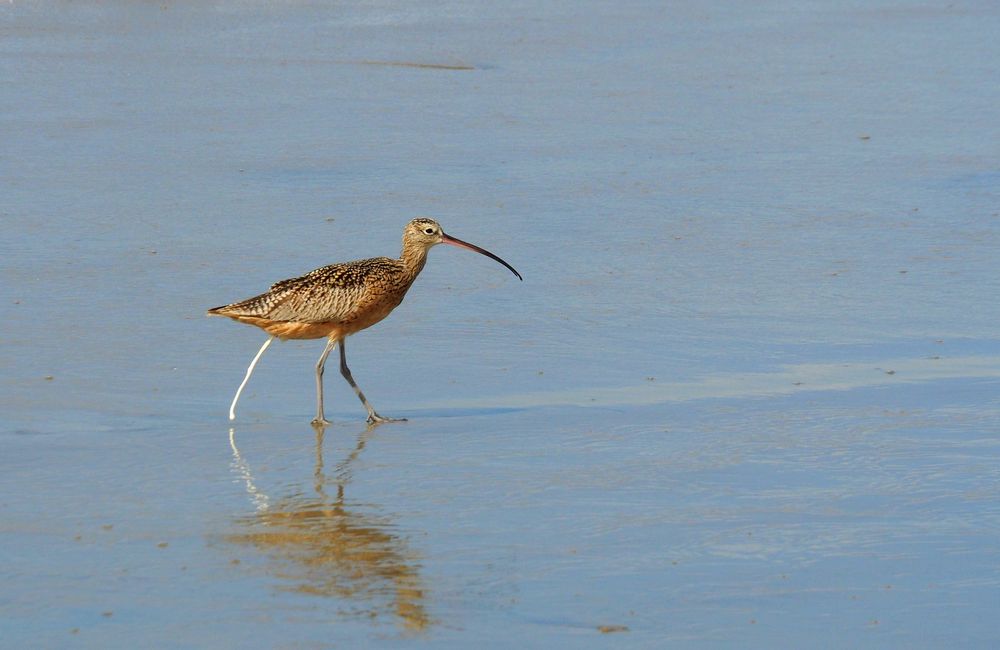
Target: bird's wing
328 294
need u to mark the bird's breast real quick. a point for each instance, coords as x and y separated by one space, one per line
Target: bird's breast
377 307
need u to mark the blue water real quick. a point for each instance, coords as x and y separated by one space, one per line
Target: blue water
745 397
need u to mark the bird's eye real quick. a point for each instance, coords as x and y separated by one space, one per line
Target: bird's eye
429 231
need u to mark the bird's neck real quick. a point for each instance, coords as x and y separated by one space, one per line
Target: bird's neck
413 258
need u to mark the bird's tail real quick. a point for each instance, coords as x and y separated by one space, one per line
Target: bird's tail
258 306
219 311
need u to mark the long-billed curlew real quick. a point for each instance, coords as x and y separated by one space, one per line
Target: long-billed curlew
338 300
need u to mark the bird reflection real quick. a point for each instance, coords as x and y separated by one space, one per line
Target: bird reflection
327 548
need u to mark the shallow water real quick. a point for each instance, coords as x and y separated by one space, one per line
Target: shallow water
746 395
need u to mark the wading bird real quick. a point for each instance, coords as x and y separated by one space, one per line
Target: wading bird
338 300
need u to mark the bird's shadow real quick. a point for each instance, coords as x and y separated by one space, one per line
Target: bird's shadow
321 544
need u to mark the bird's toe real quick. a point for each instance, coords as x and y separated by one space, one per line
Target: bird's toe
375 418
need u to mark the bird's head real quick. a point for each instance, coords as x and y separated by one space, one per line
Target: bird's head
424 233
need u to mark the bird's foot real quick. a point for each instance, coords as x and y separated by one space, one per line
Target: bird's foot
320 422
375 418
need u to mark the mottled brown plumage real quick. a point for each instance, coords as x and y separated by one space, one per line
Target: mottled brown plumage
338 300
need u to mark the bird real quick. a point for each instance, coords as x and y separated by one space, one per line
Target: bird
338 300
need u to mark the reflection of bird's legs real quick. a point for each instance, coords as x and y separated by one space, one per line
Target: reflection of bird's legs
319 477
343 467
242 468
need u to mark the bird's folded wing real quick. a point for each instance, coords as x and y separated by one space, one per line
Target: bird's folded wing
328 294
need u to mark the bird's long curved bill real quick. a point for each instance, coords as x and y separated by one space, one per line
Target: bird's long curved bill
448 239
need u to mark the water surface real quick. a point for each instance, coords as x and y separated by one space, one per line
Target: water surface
746 395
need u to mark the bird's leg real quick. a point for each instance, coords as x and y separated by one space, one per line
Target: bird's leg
232 407
373 417
319 420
